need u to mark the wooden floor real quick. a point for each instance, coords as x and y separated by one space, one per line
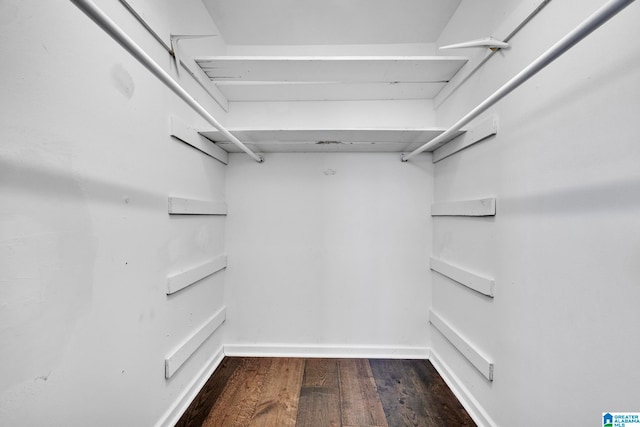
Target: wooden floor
285 392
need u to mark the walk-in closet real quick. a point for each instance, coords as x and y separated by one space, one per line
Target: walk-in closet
319 213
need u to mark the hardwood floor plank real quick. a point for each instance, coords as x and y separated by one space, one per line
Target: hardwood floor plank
320 373
237 404
441 403
413 394
319 404
360 403
402 403
206 398
278 402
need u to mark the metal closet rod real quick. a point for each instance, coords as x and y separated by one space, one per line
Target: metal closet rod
110 27
598 18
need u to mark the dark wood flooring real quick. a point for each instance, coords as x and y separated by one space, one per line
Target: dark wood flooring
284 392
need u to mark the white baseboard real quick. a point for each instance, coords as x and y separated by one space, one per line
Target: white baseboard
172 416
365 352
473 407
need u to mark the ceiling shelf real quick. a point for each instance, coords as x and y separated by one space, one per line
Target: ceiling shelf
314 78
327 91
331 68
326 140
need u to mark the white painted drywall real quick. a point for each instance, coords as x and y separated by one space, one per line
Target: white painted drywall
562 329
86 244
254 22
327 254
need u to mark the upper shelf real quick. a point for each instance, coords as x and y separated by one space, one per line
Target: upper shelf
327 140
331 68
326 91
282 78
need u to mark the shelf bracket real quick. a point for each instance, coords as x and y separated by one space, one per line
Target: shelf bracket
489 42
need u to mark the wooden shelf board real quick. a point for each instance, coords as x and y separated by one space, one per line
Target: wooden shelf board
326 140
325 91
343 69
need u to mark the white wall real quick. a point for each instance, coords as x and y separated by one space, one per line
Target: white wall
86 244
563 248
327 254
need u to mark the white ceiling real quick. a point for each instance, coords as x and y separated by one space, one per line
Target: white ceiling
330 22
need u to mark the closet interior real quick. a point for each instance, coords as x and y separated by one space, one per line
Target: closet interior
444 180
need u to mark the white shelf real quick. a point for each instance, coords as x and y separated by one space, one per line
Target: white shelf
327 91
331 68
283 78
326 140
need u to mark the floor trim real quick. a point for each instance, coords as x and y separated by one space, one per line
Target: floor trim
473 407
308 351
172 416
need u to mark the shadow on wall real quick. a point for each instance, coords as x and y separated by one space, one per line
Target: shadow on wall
47 256
58 183
609 197
549 96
